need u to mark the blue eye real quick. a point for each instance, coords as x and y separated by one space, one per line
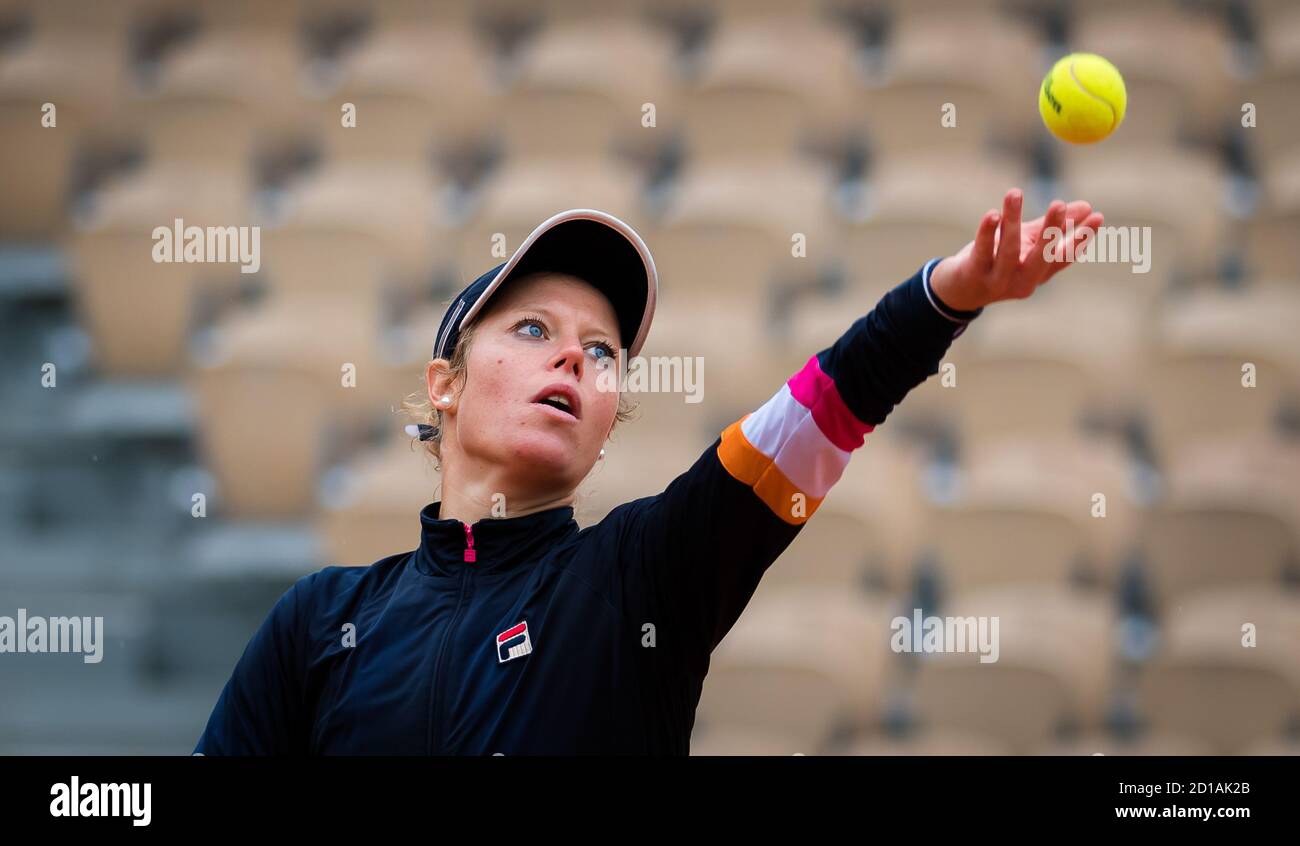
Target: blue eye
531 328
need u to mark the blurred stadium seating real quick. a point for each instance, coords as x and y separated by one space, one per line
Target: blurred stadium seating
1096 475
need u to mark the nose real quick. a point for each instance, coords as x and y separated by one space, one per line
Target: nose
570 357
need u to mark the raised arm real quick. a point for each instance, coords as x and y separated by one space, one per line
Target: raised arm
694 554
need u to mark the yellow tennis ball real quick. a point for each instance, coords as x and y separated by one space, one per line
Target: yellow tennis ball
1082 98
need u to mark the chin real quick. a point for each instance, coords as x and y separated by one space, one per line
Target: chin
549 457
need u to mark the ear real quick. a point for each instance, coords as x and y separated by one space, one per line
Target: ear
440 382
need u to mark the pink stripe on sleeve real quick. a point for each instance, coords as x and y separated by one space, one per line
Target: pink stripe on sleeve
816 391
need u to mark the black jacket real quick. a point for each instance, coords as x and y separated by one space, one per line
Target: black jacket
527 635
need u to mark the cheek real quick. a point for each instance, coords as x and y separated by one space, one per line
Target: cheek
602 407
489 388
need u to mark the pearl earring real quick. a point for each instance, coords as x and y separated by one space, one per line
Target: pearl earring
446 400
602 454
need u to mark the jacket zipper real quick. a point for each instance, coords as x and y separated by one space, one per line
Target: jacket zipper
470 554
436 698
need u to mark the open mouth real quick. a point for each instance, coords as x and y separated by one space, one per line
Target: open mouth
561 398
557 402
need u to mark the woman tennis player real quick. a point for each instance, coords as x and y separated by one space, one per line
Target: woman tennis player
523 634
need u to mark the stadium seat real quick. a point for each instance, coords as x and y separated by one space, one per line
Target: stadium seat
1242 320
1257 474
1052 670
202 193
1206 683
921 207
247 52
800 663
372 509
386 214
119 290
636 464
1201 397
1229 705
933 742
666 413
736 229
724 740
1181 80
968 57
119 287
1276 126
971 545
306 259
1200 544
743 366
1182 225
581 85
87 94
265 468
36 63
1100 333
1040 491
865 533
918 12
523 192
1144 745
767 86
998 399
1277 26
417 87
768 81
1210 621
1195 385
1272 256
1273 746
36 168
271 395
204 128
766 10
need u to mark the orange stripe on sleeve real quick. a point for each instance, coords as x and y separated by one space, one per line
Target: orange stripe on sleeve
747 465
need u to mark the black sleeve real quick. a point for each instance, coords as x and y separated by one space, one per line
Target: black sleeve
261 710
693 555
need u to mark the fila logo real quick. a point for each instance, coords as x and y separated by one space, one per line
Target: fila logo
513 643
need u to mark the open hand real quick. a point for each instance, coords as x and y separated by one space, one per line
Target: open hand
1009 259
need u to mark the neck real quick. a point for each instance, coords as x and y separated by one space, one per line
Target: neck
484 495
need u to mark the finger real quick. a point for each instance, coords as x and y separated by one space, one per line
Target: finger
1049 237
1008 257
1086 232
1078 210
1076 213
982 255
1083 235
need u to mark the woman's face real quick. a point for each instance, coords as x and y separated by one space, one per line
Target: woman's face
530 400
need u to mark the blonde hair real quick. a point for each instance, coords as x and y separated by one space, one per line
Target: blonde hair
423 413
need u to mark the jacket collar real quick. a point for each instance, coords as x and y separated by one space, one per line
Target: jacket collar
500 544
